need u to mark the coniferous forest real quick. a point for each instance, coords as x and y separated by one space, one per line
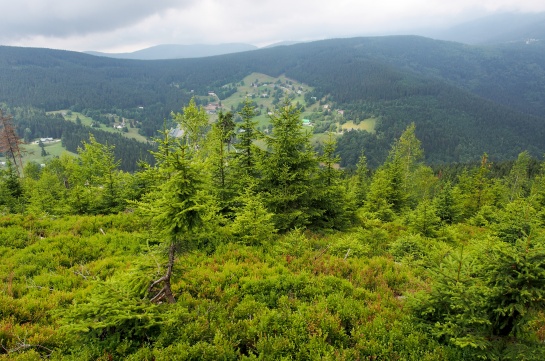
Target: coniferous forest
236 244
465 100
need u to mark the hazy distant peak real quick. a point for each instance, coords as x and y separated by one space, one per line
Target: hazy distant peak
178 51
496 29
282 43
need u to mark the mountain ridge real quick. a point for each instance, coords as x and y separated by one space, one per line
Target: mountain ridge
465 100
178 51
500 28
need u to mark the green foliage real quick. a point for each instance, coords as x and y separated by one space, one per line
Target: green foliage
253 223
293 243
409 247
48 194
537 192
100 172
517 221
424 220
247 152
515 275
362 179
46 263
518 178
386 197
193 121
400 182
478 189
448 204
334 208
11 190
350 245
83 281
90 184
115 312
482 300
288 170
223 176
455 307
174 205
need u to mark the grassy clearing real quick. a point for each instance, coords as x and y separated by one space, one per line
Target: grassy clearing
33 153
261 88
266 85
320 138
87 121
367 124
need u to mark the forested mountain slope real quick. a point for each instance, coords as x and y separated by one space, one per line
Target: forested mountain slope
464 100
510 74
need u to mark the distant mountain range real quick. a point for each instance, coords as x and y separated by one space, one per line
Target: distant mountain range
502 28
176 51
495 29
283 43
464 99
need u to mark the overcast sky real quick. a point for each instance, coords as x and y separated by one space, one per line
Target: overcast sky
128 25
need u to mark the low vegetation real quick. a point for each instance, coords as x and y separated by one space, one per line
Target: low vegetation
225 250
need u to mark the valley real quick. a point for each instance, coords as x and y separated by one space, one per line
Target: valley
462 98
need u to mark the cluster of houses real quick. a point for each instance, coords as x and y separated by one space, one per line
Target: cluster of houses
212 108
120 125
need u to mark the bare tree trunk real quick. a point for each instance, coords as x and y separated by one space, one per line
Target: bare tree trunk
166 291
9 142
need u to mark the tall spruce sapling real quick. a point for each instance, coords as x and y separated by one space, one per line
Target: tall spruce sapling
362 179
43 152
447 204
401 180
386 196
100 171
288 170
332 206
476 186
424 220
253 224
220 163
518 178
246 135
174 205
11 188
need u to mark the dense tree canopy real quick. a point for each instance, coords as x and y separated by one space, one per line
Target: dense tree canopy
464 100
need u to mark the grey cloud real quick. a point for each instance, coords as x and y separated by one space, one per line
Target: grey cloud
125 25
63 18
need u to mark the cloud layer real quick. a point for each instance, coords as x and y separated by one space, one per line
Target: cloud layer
125 25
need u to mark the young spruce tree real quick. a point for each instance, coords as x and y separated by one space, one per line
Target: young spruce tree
219 162
288 170
175 206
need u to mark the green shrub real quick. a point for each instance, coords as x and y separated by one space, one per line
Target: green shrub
409 246
350 245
